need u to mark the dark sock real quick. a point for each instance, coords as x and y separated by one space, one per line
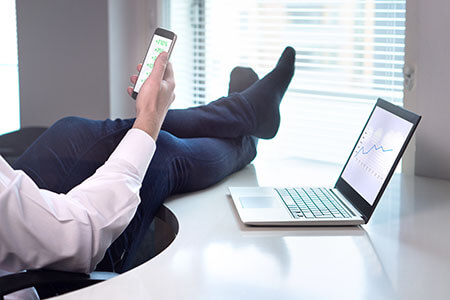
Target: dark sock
240 79
265 95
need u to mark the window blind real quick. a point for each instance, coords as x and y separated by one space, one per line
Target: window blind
349 53
9 74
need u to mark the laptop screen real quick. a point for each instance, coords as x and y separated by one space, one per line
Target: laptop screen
375 153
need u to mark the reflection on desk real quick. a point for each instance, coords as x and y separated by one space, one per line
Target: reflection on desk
403 253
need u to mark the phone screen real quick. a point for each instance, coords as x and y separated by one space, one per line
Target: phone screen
159 44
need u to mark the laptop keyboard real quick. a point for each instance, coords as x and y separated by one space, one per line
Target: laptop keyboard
312 203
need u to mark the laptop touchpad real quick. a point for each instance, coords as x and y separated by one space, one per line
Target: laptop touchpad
258 202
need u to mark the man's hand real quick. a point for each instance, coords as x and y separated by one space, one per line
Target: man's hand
155 96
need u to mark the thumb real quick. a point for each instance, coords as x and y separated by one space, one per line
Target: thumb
159 67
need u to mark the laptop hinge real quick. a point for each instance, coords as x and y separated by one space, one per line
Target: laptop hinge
340 196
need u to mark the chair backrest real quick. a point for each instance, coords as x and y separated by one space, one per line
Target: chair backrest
37 278
161 234
13 144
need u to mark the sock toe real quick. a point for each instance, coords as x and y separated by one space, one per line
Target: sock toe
287 58
286 63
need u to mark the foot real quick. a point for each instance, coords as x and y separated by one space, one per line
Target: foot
240 79
265 95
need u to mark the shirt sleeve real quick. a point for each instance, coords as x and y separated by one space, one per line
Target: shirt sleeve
72 231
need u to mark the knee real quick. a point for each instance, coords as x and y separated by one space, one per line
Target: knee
68 121
169 143
72 129
167 147
68 124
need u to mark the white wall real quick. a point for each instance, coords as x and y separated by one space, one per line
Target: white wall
428 53
131 24
63 59
75 57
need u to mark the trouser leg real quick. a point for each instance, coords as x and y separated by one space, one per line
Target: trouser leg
178 166
70 151
227 117
73 148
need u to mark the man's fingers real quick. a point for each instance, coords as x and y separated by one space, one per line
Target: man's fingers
139 67
133 79
168 75
159 67
130 91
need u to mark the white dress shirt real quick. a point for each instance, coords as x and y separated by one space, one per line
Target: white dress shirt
71 232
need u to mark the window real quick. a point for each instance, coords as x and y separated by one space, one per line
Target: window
349 53
9 74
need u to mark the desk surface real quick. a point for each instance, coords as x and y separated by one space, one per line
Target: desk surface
403 253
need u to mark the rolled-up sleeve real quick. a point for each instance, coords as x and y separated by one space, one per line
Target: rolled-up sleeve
39 228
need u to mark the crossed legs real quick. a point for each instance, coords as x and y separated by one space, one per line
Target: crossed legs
73 148
196 148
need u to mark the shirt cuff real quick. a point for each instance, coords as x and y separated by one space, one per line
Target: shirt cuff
137 148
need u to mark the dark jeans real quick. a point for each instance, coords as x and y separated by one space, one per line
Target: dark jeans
197 148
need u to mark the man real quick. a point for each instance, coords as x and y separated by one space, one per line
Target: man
52 216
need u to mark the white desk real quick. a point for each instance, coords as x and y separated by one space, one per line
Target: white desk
403 253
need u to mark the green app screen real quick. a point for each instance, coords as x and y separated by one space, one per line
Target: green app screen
159 44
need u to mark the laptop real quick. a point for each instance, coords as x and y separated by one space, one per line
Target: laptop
358 189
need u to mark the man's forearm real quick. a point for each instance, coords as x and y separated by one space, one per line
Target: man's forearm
150 123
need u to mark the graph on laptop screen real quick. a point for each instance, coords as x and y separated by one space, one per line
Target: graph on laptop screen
375 153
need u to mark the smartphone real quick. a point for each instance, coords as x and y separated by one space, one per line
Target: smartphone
162 40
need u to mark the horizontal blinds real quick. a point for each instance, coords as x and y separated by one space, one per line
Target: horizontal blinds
181 58
349 53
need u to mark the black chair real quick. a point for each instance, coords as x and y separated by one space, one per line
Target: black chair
13 144
160 235
44 279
